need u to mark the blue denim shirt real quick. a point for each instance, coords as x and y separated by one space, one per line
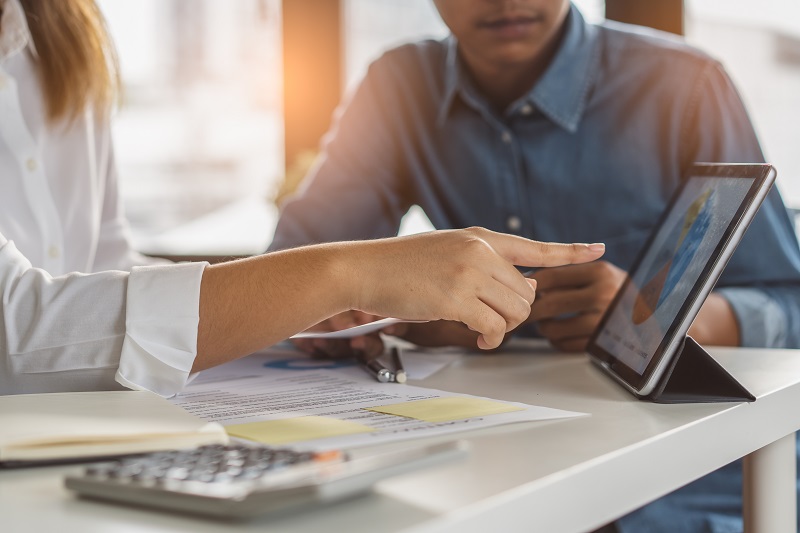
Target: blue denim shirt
591 153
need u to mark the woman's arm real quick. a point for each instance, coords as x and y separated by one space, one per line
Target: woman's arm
462 275
149 328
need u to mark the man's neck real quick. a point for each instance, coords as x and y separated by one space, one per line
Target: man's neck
504 84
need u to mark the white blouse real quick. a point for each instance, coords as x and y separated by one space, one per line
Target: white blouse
60 214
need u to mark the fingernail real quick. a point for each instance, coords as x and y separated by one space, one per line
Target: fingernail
597 247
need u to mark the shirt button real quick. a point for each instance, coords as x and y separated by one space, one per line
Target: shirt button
54 252
527 109
506 136
514 223
32 164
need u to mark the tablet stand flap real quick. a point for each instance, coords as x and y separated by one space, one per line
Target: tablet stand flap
696 377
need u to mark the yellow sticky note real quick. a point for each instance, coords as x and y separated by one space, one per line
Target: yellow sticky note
295 429
446 409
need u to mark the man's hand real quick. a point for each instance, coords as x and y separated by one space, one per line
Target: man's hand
571 301
436 333
371 345
463 275
716 323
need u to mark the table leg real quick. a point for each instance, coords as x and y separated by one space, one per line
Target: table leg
769 488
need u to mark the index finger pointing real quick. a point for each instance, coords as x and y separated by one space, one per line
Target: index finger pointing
525 252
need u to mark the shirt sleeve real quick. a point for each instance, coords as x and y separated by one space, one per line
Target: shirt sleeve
762 279
354 190
96 331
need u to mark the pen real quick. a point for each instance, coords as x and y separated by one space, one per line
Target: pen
399 371
375 368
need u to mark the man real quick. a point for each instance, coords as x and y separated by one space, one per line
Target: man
530 121
536 123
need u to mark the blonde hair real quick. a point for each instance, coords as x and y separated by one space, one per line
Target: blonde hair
77 62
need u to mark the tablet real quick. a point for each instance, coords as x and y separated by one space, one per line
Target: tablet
646 323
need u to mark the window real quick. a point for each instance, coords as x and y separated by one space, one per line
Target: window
759 44
199 132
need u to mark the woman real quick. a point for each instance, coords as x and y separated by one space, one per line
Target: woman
148 327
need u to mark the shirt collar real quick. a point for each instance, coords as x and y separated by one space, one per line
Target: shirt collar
14 32
452 79
458 83
562 91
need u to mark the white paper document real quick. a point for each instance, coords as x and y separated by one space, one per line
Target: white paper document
286 398
418 364
355 331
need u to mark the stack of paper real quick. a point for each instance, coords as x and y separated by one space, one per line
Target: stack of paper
41 427
284 398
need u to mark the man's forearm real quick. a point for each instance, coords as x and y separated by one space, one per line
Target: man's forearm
768 317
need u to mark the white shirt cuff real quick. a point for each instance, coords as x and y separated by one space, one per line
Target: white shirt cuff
162 316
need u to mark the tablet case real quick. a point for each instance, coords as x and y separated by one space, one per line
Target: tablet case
695 377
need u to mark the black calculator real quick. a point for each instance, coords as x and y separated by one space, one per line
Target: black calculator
242 481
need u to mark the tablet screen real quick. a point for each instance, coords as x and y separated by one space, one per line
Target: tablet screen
660 290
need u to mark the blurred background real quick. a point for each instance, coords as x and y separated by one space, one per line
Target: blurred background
225 100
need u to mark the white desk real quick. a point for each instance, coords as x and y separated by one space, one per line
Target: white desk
569 476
